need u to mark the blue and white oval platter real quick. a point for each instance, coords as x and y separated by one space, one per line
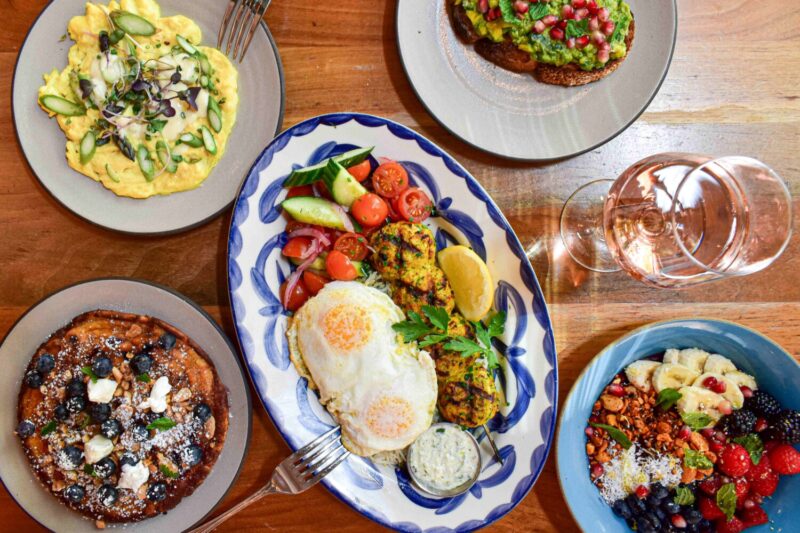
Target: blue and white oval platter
523 429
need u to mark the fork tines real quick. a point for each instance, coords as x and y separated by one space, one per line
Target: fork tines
242 18
315 460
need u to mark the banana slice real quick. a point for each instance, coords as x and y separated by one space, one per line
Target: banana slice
673 376
641 372
742 379
717 364
732 392
699 400
693 358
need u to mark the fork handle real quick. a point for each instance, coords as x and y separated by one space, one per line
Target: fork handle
215 523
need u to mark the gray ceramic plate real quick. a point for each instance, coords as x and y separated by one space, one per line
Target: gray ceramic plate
131 296
260 115
513 115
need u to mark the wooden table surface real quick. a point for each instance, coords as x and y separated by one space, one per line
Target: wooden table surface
734 88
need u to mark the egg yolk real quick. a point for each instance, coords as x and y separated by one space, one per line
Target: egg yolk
347 327
390 417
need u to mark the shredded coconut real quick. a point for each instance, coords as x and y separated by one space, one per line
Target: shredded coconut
634 467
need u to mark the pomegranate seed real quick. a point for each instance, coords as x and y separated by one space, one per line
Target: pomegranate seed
483 6
597 471
493 14
589 431
608 27
707 433
719 387
578 4
581 14
615 389
571 43
748 504
709 382
521 6
757 498
685 433
747 392
725 407
642 492
716 447
725 480
761 425
678 521
568 11
550 20
603 15
604 46
594 24
562 24
591 5
598 38
557 34
721 437
583 41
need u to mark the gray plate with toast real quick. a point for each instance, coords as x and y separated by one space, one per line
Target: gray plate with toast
511 114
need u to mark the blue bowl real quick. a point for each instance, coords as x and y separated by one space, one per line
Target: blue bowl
774 369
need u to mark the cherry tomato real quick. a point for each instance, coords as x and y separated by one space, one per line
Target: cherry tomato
314 282
300 190
394 216
352 245
322 190
360 171
298 297
293 225
390 179
340 267
297 247
369 209
414 205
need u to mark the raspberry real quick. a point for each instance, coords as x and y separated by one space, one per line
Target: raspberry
734 525
709 509
786 427
734 460
754 516
763 404
785 459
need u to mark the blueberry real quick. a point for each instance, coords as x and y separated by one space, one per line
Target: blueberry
653 519
670 507
637 506
25 429
202 412
45 364
76 404
653 501
102 366
140 432
644 526
100 411
74 493
33 379
105 467
107 495
71 457
659 491
60 412
193 454
110 428
662 516
167 341
75 388
621 509
693 516
141 363
704 525
157 492
127 458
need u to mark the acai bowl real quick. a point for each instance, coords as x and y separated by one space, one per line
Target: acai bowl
776 374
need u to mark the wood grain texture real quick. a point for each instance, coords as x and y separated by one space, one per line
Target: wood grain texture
734 88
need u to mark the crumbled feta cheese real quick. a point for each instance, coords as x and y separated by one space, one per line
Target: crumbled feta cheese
133 476
157 402
102 390
97 448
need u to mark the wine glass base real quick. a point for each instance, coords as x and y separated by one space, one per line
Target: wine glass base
581 227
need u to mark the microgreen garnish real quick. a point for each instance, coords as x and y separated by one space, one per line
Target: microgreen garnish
145 378
49 428
167 472
89 470
615 434
162 424
89 372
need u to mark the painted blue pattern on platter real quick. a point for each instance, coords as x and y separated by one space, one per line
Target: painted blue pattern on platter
270 269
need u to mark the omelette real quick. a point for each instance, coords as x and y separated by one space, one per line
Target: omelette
146 110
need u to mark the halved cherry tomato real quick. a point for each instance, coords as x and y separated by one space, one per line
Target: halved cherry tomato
369 209
300 190
314 282
390 179
293 225
414 205
298 297
322 190
360 171
352 245
340 267
297 247
394 216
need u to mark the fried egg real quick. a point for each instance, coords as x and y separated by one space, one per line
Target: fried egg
381 390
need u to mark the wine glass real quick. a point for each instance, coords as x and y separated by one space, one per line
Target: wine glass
674 220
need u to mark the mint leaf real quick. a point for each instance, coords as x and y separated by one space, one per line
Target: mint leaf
162 424
577 28
668 398
89 372
697 460
438 316
683 496
539 10
413 328
167 472
49 428
145 378
696 420
615 434
754 446
726 500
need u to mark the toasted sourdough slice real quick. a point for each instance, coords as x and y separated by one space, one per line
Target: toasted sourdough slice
505 54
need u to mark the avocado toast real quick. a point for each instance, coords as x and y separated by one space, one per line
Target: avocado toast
561 42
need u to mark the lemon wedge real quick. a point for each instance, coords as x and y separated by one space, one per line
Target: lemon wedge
470 279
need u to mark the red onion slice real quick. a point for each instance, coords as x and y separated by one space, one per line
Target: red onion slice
348 224
294 279
313 233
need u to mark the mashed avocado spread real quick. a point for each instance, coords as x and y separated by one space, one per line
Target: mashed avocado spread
553 36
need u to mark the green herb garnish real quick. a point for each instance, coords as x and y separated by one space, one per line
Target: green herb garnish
439 430
667 398
89 470
49 428
167 472
615 434
413 328
89 372
162 424
577 28
538 11
754 446
696 420
697 460
726 499
683 496
143 377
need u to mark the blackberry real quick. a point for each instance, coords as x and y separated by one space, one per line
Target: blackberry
738 423
786 427
763 404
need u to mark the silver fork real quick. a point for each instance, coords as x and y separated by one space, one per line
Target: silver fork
297 473
242 17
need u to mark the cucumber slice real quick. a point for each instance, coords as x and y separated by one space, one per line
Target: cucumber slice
308 175
132 24
146 164
312 210
191 139
344 188
167 162
111 174
62 106
214 114
208 140
317 264
186 45
88 146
